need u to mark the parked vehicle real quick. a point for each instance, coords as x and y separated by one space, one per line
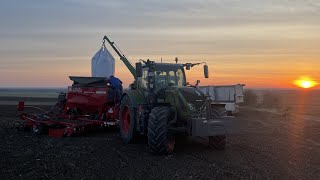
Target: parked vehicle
228 96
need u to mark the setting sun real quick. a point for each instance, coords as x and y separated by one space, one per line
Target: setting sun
305 82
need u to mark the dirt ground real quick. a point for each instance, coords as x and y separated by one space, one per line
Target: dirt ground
261 145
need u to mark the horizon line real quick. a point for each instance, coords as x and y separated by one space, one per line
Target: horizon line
252 88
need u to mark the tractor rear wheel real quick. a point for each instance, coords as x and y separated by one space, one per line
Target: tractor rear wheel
127 117
218 142
159 140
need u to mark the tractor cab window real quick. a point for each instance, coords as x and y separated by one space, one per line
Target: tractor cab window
172 79
161 79
144 78
176 77
163 76
180 78
167 77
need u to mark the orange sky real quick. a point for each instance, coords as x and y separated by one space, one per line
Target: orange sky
275 72
263 44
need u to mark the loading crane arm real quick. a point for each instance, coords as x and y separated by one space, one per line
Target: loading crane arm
123 58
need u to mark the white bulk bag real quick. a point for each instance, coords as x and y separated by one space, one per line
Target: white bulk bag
102 63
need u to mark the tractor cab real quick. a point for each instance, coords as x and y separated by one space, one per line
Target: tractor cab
154 76
160 75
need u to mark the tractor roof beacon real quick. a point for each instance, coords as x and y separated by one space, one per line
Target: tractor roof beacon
160 104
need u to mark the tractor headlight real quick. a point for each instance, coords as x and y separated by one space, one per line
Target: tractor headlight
191 107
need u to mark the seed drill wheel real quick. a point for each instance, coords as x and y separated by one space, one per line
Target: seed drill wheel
127 119
218 142
39 129
159 140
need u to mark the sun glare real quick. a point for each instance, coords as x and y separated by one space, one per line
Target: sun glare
305 82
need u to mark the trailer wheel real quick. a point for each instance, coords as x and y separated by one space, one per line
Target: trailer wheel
39 129
218 142
159 140
217 112
127 119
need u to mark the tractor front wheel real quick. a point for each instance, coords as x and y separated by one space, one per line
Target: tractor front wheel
159 140
127 119
218 142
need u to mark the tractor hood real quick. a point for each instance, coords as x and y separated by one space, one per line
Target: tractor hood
192 93
193 96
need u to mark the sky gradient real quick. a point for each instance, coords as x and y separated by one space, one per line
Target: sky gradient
263 44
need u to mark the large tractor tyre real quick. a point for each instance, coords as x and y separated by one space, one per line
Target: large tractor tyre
218 142
160 141
127 117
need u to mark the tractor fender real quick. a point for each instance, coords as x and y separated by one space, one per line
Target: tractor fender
137 100
136 97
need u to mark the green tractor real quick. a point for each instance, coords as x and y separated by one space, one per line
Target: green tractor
160 104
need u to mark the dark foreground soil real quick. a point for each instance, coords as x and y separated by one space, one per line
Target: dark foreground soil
261 145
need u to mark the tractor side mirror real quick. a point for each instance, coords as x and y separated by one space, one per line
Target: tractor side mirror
139 69
206 71
188 66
